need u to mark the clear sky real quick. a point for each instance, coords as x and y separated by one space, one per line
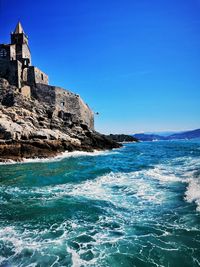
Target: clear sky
136 62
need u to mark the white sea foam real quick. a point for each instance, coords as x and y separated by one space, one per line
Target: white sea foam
121 189
193 193
35 240
113 186
187 171
41 243
61 156
116 186
76 260
184 173
162 174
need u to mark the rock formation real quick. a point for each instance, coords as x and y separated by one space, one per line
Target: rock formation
36 119
123 138
37 125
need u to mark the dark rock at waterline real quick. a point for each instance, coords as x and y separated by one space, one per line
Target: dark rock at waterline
122 138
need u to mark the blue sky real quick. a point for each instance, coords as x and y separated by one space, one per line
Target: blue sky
136 62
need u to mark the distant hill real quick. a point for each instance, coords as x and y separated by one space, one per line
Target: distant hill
148 137
181 135
185 135
165 133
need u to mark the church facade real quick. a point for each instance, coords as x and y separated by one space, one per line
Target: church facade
15 61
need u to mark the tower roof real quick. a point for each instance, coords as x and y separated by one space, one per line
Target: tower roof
18 28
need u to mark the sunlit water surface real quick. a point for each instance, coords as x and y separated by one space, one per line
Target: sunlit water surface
135 206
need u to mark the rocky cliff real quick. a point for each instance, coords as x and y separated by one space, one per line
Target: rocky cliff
33 127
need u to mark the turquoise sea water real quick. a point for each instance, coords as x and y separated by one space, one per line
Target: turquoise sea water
134 206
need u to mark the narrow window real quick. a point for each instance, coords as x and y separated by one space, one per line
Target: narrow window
62 104
3 52
42 76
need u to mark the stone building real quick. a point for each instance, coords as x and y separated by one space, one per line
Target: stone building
16 68
15 61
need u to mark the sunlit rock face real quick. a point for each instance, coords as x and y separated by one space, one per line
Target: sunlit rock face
45 122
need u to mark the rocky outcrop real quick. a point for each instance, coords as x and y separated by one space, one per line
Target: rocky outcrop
30 127
122 138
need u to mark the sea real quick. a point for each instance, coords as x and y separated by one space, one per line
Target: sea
134 206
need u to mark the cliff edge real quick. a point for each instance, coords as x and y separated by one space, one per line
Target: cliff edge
43 120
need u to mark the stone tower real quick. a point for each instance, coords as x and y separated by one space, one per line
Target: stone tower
15 61
20 40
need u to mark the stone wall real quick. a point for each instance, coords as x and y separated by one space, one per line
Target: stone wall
14 72
11 71
72 103
5 52
64 103
44 93
86 113
12 52
26 53
35 75
41 77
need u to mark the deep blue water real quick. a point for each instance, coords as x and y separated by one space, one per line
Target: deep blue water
135 206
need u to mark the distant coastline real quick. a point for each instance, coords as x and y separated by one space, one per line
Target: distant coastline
185 135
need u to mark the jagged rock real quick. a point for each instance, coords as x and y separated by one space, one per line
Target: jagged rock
34 128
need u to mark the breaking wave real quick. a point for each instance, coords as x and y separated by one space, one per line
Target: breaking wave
62 156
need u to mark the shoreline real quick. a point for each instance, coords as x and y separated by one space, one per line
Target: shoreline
18 150
128 142
60 156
